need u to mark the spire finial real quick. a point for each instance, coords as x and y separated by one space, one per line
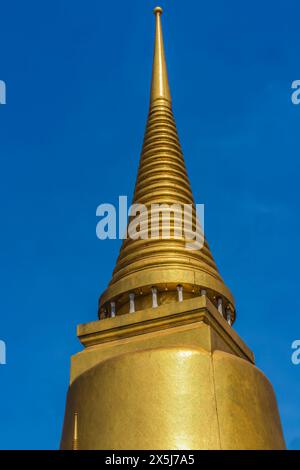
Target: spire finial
157 10
160 84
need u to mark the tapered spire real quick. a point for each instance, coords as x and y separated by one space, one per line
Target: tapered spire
163 264
160 84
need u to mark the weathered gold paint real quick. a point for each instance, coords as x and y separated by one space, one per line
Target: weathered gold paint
176 376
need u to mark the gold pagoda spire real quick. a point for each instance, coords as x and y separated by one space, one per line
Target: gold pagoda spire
173 375
162 264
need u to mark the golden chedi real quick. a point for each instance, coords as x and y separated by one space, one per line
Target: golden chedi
163 368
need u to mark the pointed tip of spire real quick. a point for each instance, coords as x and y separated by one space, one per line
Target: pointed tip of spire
160 84
157 10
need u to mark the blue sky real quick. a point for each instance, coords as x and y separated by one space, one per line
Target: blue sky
78 77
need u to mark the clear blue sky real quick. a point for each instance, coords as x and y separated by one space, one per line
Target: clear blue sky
78 76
